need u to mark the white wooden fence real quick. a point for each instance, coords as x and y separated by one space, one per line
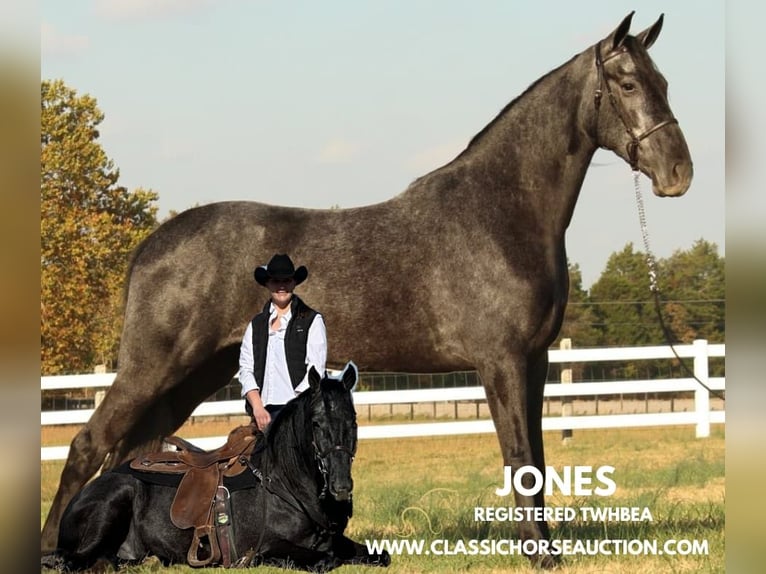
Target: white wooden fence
702 417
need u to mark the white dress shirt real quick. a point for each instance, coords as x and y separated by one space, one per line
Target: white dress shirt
276 387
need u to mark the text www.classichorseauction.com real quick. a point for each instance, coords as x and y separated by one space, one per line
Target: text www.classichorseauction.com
555 547
578 481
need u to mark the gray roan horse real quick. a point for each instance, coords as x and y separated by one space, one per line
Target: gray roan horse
464 269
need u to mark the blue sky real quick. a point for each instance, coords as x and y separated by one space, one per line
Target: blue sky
319 104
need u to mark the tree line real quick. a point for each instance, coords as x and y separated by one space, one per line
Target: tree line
620 309
89 225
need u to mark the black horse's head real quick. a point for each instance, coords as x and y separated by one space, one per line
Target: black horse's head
334 430
634 117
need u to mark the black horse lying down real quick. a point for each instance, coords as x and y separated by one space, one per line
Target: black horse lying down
292 512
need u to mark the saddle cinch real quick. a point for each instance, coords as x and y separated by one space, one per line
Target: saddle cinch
201 501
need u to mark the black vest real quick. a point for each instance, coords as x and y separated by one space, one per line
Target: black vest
296 336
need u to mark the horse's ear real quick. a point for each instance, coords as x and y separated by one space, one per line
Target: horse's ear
314 378
649 36
349 376
616 38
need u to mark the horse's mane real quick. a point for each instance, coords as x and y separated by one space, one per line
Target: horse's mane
480 135
288 435
475 139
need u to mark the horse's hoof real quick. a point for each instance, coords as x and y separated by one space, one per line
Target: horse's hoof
246 561
544 562
52 561
384 560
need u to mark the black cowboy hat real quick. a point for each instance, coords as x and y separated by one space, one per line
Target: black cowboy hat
280 267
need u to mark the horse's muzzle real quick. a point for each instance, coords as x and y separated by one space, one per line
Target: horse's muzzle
675 183
341 494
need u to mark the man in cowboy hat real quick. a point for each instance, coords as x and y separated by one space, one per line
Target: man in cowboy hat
280 343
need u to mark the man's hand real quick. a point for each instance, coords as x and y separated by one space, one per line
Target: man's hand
262 418
260 414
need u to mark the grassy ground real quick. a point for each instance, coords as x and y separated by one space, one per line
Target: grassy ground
428 488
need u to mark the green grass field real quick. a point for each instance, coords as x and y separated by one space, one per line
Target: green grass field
428 489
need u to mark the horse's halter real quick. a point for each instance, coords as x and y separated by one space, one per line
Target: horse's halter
321 457
632 149
635 140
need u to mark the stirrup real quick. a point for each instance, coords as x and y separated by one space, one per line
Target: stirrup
200 533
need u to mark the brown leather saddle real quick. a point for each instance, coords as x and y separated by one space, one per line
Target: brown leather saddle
201 501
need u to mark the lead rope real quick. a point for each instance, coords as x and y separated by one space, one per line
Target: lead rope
650 261
654 286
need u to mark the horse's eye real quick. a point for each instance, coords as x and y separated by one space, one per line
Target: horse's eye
628 87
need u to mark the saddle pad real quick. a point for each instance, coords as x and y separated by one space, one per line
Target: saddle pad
149 477
239 482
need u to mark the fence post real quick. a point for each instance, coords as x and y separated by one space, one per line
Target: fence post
701 395
99 395
566 402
